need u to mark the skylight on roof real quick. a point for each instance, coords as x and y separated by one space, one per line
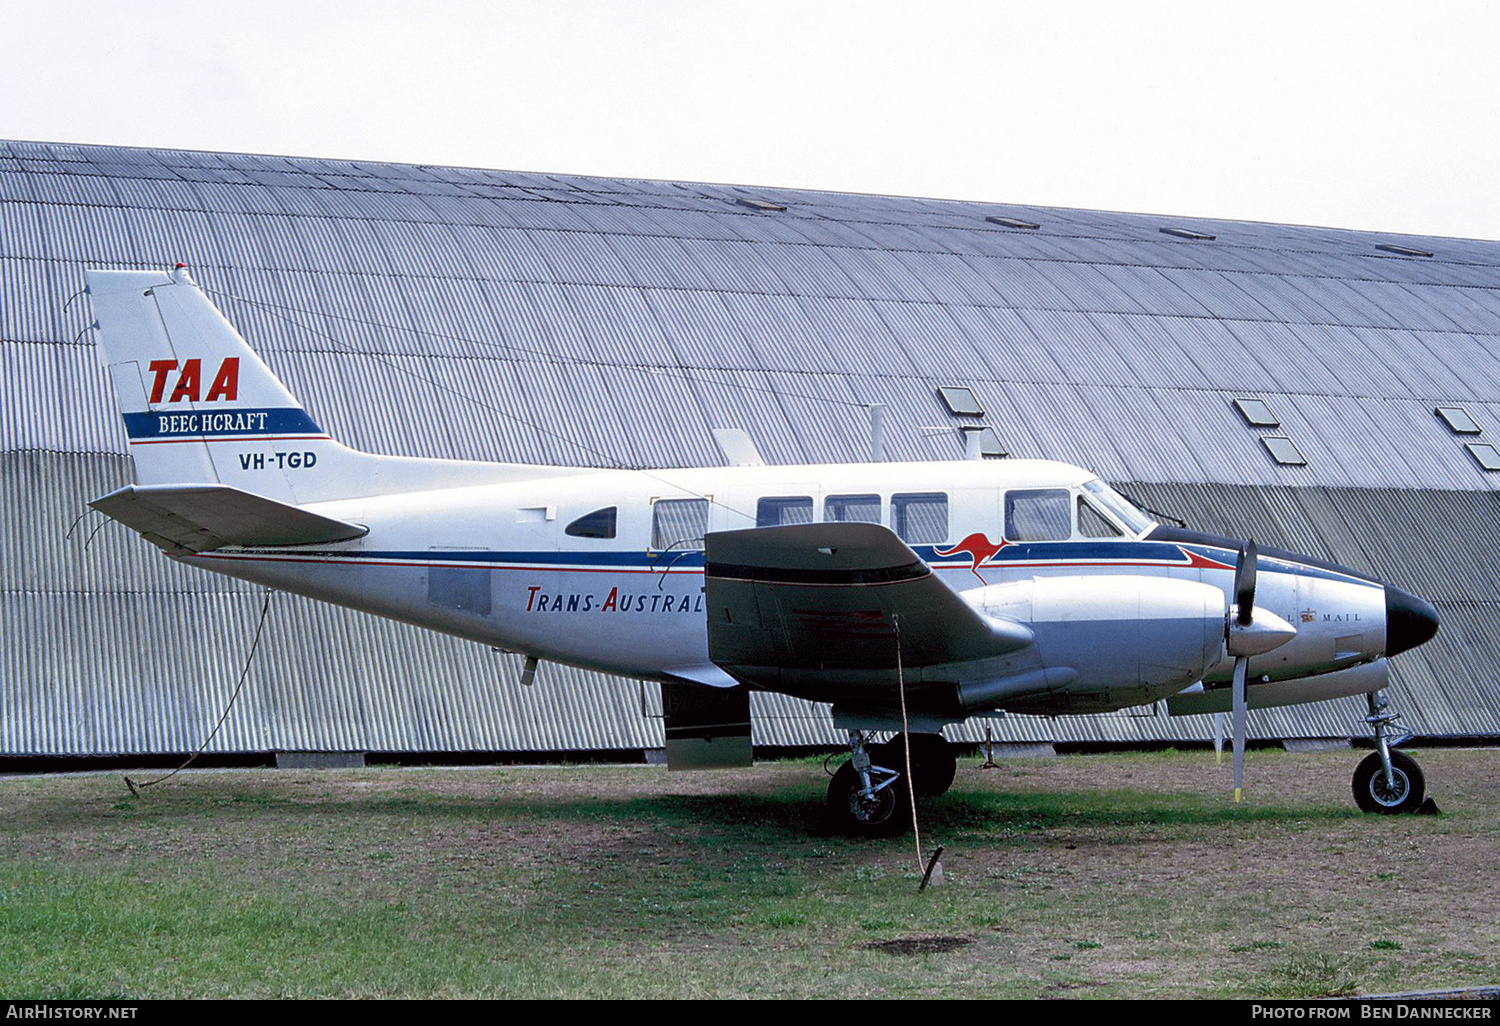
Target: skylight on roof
1485 454
960 401
1284 451
1011 222
1458 420
759 204
1257 413
1402 250
1188 233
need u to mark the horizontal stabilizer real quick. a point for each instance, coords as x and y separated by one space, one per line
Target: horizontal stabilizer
196 518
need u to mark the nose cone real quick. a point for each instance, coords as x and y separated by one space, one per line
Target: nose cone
1409 621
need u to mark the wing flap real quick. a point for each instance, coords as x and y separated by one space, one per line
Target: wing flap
706 728
837 596
196 518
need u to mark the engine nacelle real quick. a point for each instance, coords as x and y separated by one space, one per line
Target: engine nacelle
1127 639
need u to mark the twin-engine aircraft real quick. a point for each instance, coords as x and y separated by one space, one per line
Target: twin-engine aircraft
909 596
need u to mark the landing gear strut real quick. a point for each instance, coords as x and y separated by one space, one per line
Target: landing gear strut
1387 781
865 797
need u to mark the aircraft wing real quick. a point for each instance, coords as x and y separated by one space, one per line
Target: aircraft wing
195 518
827 597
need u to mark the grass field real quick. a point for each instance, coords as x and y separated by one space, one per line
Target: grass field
1087 876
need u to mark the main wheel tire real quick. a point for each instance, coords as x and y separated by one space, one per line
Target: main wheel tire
1373 794
886 813
933 763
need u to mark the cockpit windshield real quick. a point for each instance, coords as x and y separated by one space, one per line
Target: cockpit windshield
1119 507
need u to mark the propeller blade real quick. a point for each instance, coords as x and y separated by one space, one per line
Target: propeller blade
1241 709
1245 569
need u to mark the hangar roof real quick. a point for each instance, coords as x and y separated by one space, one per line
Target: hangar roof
594 321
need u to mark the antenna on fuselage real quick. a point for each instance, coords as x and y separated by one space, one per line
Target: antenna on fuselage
738 448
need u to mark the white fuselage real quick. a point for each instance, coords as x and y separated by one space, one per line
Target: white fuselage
497 564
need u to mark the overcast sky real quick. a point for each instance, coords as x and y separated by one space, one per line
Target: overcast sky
1375 115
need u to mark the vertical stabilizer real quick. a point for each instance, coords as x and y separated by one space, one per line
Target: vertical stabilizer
200 407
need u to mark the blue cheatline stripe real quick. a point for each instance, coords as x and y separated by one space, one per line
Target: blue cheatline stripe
233 423
1028 552
1049 552
1160 553
1023 551
603 560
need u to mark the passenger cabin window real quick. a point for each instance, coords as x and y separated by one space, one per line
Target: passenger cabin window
920 518
780 510
598 524
678 524
1093 524
1038 514
859 509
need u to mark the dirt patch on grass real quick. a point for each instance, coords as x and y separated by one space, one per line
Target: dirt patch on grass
919 945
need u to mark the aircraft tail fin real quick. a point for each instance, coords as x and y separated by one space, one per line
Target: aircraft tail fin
201 407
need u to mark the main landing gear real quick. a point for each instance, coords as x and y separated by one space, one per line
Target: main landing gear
869 796
1387 781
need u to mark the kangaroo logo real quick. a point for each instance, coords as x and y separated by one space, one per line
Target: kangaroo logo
978 548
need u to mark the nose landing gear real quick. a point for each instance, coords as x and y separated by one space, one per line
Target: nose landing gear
1387 781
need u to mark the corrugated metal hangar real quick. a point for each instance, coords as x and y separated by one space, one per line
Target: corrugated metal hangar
1331 392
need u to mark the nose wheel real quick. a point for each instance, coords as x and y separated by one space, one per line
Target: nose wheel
1401 791
1387 781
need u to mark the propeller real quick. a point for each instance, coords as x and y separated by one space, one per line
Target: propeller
1245 569
1248 631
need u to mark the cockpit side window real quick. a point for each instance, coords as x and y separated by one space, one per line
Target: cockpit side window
1093 524
1038 514
598 524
